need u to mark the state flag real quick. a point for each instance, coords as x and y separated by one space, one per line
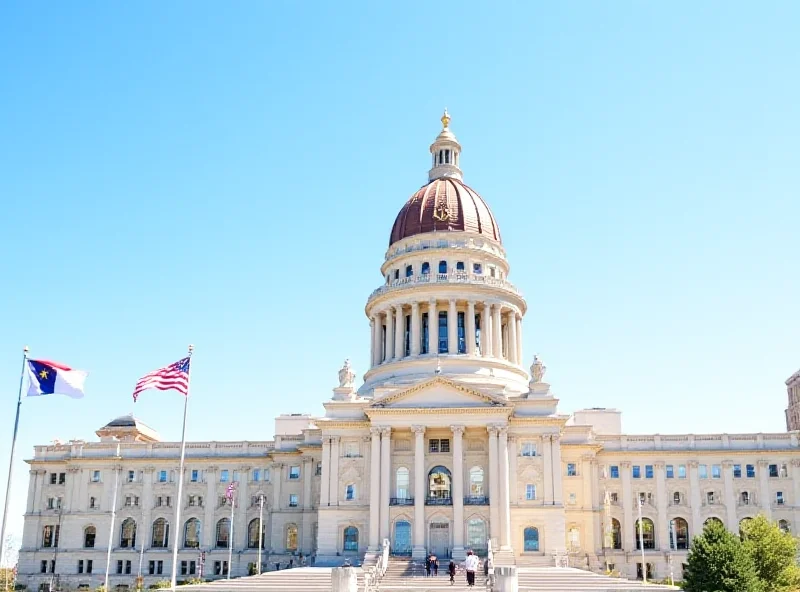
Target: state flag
52 378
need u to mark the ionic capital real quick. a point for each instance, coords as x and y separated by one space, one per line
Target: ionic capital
458 430
493 429
386 430
375 431
418 429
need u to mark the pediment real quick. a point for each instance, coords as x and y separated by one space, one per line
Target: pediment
438 392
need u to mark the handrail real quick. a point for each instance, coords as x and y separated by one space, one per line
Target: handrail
377 571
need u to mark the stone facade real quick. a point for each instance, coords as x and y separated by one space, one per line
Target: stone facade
450 444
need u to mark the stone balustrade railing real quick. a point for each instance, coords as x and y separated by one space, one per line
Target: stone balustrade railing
459 277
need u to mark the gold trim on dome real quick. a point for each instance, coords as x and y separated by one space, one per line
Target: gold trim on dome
494 399
441 212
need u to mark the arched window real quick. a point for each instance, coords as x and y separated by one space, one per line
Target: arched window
291 537
252 534
191 533
680 532
350 536
89 534
476 482
531 539
712 520
648 533
616 534
409 270
439 483
223 533
402 483
784 525
442 266
50 535
160 534
402 538
476 534
676 498
127 534
426 268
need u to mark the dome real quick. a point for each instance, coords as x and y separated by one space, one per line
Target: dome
445 204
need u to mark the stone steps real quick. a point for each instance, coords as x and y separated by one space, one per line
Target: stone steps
298 579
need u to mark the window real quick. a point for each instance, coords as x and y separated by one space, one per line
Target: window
745 497
737 471
426 268
131 476
681 471
50 535
92 503
783 525
43 566
572 470
476 482
224 476
702 471
613 497
156 568
223 501
442 266
784 471
476 533
291 537
120 566
439 483
773 471
439 445
648 471
160 538
779 498
292 500
89 566
477 268
124 567
645 534
80 566
462 333
195 476
162 476
676 498
613 471
531 539
528 449
402 483
616 534
573 499
95 476
679 534
62 478
188 568
127 534
294 472
442 332
220 568
751 471
350 492
409 270
636 472
397 274
191 533
530 492
89 535
53 478
716 472
223 533
710 497
253 535
670 472
350 536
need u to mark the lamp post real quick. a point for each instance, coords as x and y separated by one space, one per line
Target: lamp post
641 540
260 529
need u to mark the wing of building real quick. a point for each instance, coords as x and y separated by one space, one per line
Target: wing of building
451 443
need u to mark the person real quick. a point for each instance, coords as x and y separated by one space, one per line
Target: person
435 565
471 564
291 563
486 570
451 569
428 566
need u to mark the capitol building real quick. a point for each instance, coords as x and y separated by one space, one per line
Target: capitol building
453 441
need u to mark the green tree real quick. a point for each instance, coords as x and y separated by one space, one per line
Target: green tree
718 562
773 552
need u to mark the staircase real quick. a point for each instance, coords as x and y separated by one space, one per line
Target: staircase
299 579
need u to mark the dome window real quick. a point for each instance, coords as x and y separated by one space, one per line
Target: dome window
442 266
409 270
459 266
426 268
397 274
447 157
477 268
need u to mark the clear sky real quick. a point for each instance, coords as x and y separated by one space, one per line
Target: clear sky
227 175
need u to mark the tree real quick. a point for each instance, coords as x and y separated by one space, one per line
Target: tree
718 562
773 552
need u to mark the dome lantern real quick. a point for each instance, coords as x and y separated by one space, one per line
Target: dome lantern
445 153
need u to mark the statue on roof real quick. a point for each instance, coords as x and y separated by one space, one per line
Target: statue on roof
346 375
538 370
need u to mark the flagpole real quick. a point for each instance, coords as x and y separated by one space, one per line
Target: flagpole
11 460
175 542
230 536
113 518
260 529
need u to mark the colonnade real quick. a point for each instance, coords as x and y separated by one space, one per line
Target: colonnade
398 331
381 483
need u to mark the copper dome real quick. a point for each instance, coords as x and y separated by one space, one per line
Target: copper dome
445 204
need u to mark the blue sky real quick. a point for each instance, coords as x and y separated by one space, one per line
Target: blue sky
228 176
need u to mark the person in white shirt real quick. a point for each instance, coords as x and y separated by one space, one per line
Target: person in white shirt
471 565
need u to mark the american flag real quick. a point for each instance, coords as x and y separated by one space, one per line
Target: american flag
175 376
230 491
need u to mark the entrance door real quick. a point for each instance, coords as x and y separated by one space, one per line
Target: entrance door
440 539
402 538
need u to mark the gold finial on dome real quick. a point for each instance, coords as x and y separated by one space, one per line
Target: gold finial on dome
445 119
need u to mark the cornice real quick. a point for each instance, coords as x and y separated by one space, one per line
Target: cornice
558 420
387 411
438 380
347 424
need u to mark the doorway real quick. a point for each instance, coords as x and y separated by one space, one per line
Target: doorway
440 539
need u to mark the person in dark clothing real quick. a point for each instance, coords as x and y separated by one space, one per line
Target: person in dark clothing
428 566
451 569
486 569
435 565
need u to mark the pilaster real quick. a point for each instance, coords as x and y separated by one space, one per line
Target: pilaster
375 490
495 496
458 492
386 436
418 529
629 522
415 328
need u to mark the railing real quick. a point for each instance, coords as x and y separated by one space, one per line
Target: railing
401 501
373 576
476 500
460 277
438 501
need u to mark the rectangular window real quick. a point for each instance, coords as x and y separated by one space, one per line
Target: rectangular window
131 476
773 471
572 470
423 346
681 471
528 449
670 472
184 568
80 566
477 268
256 475
224 476
433 445
119 566
53 478
43 566
702 471
195 476
779 498
530 492
710 497
636 472
151 567
442 332
220 568
292 500
89 566
462 333
613 471
613 497
573 499
737 471
350 492
716 472
751 471
294 472
128 567
95 476
62 478
162 476
648 471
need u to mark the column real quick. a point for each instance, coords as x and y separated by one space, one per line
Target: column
487 338
547 463
629 522
433 328
308 477
276 474
32 484
513 456
497 332
309 515
470 328
452 328
386 435
399 333
239 525
389 335
415 326
333 492
730 498
597 504
695 497
505 511
520 359
494 485
325 481
662 529
558 496
147 510
458 492
207 526
418 530
512 337
375 490
765 498
376 340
